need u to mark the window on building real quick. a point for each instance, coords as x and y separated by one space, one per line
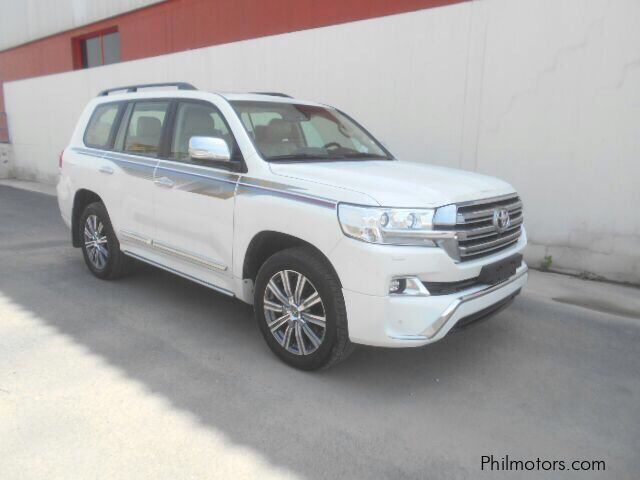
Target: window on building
98 49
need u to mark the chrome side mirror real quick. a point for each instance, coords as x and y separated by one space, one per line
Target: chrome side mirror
209 148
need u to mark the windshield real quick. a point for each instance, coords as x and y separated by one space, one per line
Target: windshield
294 132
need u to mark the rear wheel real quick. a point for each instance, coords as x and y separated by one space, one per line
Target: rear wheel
300 310
100 245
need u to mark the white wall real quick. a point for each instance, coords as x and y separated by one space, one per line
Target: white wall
23 21
543 93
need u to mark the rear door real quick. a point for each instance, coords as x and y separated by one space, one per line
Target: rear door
133 160
194 200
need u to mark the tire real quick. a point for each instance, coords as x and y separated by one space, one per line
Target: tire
300 348
106 261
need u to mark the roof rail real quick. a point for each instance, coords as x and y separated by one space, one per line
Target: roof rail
134 88
273 94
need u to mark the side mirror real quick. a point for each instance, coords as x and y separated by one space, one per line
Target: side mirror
209 148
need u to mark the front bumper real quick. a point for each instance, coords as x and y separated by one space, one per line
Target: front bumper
401 321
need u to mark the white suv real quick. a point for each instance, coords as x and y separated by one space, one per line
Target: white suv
295 208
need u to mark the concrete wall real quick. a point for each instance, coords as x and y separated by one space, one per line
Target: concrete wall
23 21
543 93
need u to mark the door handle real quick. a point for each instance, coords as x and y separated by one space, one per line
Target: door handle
106 169
164 182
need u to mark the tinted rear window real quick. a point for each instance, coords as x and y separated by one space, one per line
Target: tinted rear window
101 125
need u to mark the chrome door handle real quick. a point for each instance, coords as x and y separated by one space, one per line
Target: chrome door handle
106 169
164 182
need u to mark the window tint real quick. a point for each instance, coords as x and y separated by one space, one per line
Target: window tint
100 125
145 127
198 120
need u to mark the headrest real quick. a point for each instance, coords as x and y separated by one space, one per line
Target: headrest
278 131
199 123
149 127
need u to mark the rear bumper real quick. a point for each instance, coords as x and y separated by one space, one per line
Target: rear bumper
399 321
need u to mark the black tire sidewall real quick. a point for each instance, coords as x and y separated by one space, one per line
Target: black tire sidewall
99 210
315 272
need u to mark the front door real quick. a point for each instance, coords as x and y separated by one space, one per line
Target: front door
194 200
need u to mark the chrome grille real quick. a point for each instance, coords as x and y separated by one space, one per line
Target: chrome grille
477 234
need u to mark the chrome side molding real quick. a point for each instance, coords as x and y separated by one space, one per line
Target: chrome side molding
131 237
180 274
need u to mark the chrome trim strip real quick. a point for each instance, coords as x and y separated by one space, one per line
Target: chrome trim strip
288 193
194 174
480 201
163 248
190 257
135 238
180 274
473 294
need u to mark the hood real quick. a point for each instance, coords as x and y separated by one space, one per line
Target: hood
397 183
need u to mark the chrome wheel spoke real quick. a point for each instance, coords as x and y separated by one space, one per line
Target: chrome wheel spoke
287 337
297 295
277 292
315 319
311 336
284 276
310 301
273 306
299 339
279 322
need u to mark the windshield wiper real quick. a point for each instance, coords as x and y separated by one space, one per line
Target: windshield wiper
296 156
374 156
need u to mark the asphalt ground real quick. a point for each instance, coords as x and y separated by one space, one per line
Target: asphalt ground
155 377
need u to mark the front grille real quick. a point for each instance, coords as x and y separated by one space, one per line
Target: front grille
477 234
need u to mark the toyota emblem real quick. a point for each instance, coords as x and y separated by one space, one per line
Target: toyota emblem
501 219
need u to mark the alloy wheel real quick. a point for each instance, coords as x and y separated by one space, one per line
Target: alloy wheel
294 312
95 242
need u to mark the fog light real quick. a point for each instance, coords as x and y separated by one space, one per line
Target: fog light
397 285
407 286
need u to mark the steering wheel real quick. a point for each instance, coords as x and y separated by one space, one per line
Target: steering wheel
332 145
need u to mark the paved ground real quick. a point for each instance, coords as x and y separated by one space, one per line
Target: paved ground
155 377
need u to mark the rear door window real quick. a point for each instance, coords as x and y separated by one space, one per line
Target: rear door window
101 127
145 127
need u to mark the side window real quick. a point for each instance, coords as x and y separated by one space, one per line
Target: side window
145 127
102 122
198 120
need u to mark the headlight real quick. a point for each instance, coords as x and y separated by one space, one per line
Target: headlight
392 226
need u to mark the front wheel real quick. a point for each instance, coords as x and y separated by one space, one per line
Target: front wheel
300 309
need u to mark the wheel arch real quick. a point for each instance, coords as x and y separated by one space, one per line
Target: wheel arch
81 199
268 242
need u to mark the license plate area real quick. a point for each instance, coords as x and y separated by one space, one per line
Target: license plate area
500 271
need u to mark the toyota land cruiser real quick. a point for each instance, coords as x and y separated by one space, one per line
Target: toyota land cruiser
294 207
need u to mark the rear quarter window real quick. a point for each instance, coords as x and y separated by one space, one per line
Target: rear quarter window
101 126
